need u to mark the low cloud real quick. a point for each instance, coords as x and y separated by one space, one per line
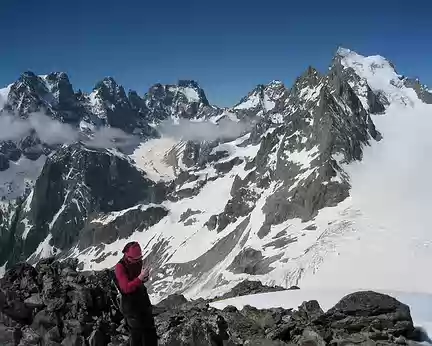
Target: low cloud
204 130
13 128
54 132
107 137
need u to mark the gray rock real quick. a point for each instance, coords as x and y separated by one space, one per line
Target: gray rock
7 336
73 340
29 337
266 342
248 287
188 213
251 261
44 320
4 162
422 92
173 301
34 301
97 338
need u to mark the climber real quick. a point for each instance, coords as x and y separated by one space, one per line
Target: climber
135 302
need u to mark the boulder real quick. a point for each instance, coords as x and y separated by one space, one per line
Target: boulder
34 301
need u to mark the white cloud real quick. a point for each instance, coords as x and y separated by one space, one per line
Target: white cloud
13 128
52 132
107 137
204 130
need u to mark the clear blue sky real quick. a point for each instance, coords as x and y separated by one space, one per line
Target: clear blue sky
227 46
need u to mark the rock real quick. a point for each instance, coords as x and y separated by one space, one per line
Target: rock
73 340
310 310
4 162
370 304
6 336
80 311
249 287
18 311
265 342
44 320
97 338
311 338
34 301
29 337
173 301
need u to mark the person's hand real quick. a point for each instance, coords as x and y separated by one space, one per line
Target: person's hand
144 275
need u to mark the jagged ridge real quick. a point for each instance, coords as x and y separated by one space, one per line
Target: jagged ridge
234 208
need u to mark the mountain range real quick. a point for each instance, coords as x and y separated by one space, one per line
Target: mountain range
271 201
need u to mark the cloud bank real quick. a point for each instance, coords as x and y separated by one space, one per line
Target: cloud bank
53 132
204 130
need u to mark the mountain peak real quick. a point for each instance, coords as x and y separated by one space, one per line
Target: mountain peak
108 89
190 89
28 74
341 51
54 76
276 83
188 83
106 83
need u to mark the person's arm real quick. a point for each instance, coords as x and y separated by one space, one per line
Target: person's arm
126 286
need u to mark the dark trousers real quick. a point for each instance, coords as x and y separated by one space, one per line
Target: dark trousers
142 329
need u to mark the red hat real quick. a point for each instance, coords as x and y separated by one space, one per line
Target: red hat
133 251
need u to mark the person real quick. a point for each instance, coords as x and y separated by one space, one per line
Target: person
135 302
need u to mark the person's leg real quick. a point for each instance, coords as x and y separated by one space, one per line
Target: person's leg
135 330
149 329
150 337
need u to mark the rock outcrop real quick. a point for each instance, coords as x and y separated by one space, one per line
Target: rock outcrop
53 304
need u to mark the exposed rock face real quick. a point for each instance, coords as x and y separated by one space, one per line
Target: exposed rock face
249 287
55 305
184 100
76 188
422 92
4 162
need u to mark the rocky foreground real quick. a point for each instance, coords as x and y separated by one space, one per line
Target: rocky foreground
53 304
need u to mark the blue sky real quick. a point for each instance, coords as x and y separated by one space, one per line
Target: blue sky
227 46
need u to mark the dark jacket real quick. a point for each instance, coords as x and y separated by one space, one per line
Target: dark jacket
135 299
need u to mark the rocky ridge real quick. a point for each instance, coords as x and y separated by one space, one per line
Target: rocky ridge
53 304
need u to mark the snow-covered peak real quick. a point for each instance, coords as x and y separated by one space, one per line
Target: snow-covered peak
59 86
263 96
107 94
190 93
191 90
379 74
96 104
29 80
342 52
109 87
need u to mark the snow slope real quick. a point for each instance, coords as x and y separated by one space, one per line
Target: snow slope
420 303
392 245
19 176
159 158
358 243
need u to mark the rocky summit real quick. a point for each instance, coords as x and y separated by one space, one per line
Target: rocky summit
54 304
260 191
